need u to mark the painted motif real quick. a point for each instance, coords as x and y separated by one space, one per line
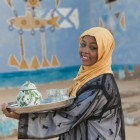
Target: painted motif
30 22
111 19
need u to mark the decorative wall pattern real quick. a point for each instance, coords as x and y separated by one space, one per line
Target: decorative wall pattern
35 18
30 22
37 35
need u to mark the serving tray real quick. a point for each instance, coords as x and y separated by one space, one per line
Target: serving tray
44 106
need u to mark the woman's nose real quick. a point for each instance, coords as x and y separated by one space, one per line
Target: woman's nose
86 50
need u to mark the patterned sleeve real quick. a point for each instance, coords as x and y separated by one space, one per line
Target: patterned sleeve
51 124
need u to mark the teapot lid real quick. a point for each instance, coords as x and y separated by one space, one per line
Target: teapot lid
28 86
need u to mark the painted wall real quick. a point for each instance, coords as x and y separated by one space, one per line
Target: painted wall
39 36
24 42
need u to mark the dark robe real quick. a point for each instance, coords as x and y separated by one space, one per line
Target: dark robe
95 114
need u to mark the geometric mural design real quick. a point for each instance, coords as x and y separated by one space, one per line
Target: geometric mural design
29 22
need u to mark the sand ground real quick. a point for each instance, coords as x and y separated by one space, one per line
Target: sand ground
130 94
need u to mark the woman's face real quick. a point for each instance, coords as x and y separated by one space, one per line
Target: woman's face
88 51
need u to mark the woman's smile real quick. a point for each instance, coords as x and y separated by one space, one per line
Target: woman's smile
84 58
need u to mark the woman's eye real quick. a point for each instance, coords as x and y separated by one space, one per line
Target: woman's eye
83 45
92 48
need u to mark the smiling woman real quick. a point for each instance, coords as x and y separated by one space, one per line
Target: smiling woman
96 112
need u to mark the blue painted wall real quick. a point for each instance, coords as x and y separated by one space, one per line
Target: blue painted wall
75 16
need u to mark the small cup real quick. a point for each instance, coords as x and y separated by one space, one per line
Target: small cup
51 93
63 93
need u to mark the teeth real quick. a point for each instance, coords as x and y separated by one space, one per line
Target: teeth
84 57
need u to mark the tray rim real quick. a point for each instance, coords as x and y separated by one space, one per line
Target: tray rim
41 107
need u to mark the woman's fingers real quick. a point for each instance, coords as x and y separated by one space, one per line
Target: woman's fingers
7 113
3 108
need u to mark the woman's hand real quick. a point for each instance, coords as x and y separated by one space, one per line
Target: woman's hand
9 114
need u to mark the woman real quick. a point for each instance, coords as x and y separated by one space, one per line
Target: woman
96 113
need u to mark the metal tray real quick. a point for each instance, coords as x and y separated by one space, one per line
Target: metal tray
44 106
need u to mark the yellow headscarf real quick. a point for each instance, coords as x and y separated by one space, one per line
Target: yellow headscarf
105 42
